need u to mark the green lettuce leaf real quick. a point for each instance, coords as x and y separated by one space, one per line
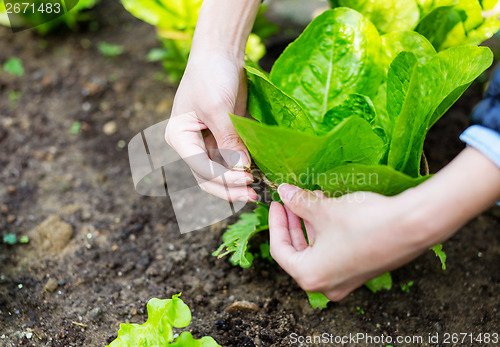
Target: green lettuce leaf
269 105
186 339
393 44
163 315
237 236
398 82
437 25
446 23
489 28
352 178
453 23
354 105
438 250
488 4
425 93
286 155
405 41
255 49
317 300
475 28
404 15
427 6
336 55
381 282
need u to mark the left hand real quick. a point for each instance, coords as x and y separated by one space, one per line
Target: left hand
351 239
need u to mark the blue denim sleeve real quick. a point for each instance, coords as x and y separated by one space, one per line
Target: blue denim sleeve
484 139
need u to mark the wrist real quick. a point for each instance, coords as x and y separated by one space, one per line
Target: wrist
224 26
418 220
439 207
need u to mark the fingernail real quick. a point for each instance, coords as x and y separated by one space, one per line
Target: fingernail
246 199
239 159
319 194
287 191
245 180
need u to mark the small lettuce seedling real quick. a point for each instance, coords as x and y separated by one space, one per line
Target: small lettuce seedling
14 66
237 236
110 50
163 317
346 109
405 287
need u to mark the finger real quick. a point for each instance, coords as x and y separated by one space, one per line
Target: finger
229 193
282 249
232 148
296 231
311 233
303 203
223 129
338 294
212 149
320 194
241 100
183 134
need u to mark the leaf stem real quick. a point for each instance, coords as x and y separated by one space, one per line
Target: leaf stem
426 164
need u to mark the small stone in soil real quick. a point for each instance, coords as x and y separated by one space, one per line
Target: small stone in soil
51 285
86 215
11 218
95 313
242 306
110 128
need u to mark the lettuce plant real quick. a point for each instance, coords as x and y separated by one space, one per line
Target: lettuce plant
43 20
175 21
445 23
163 317
346 108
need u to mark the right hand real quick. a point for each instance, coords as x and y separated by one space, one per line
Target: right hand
213 86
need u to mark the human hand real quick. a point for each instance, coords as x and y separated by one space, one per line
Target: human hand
200 130
351 239
362 235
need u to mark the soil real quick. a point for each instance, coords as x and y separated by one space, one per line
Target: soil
111 250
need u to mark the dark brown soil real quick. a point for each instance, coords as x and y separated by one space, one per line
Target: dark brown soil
126 249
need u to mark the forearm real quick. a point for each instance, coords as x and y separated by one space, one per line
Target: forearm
224 26
459 192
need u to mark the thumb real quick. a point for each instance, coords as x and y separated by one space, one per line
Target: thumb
303 203
230 144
